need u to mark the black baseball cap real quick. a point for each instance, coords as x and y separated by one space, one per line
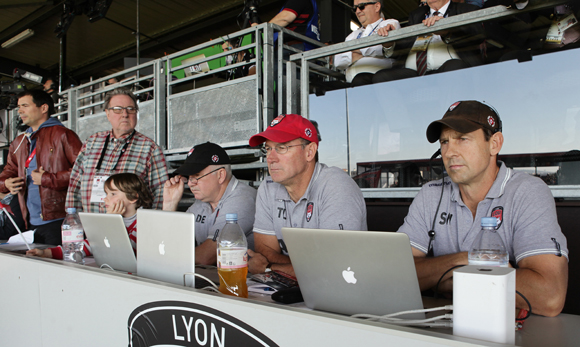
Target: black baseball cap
465 117
202 156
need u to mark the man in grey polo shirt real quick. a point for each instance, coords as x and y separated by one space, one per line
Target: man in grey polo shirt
300 192
444 218
217 192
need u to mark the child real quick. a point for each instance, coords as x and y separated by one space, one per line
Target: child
126 192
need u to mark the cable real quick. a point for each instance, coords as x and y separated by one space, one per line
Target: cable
529 305
207 279
391 319
106 266
438 282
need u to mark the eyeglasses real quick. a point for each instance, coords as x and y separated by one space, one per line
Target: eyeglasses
194 180
280 149
119 109
362 6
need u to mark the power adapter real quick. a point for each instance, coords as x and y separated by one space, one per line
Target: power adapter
484 303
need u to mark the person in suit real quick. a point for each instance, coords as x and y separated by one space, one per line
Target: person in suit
438 51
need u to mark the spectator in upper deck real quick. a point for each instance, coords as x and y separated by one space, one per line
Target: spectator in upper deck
361 64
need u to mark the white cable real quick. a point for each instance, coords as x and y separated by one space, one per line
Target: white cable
207 279
364 315
211 289
415 321
106 266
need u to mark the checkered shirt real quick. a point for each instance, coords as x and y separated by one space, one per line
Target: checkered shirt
143 157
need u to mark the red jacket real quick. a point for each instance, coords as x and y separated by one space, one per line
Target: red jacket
57 148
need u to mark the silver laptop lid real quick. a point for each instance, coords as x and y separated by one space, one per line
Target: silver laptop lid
352 272
166 246
109 240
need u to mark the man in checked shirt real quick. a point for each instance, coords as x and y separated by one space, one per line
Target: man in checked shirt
121 149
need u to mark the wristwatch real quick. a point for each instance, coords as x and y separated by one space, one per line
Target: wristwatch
268 268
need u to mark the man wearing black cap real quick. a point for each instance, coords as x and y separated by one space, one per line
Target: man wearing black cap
217 192
300 192
444 218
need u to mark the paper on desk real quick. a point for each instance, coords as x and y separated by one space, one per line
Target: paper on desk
17 239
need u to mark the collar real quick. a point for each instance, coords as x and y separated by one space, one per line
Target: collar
497 188
372 25
282 194
121 139
229 189
442 10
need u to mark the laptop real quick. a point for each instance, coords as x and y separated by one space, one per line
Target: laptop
109 241
352 272
166 246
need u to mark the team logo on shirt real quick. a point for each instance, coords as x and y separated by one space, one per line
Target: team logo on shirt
308 132
277 120
491 121
497 212
309 210
215 158
452 107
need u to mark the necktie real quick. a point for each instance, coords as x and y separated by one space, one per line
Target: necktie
422 57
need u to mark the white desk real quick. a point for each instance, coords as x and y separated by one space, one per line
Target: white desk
36 293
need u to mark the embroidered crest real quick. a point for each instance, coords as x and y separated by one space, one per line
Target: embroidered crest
497 212
277 120
452 107
309 210
491 121
215 158
308 132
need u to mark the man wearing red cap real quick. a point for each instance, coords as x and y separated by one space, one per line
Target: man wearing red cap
444 218
300 192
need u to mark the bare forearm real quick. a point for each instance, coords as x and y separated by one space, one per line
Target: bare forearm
430 270
273 256
286 268
205 253
546 291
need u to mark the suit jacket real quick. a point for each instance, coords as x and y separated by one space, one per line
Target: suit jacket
456 37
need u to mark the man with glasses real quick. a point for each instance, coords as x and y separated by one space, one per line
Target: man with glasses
38 167
121 149
217 192
300 192
360 65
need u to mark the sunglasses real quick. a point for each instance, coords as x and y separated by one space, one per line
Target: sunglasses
362 6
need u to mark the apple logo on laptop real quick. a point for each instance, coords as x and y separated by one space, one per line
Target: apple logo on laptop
107 242
162 248
349 276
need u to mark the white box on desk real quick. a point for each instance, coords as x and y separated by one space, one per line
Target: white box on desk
484 303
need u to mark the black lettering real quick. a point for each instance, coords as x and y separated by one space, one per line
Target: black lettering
282 246
445 218
200 219
281 212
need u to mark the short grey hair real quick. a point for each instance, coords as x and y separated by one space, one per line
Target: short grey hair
227 167
120 91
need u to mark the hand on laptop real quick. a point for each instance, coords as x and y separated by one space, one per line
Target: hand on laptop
43 253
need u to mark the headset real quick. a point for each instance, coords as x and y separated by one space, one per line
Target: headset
438 171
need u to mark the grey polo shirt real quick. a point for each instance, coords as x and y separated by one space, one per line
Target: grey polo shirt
523 204
331 201
238 198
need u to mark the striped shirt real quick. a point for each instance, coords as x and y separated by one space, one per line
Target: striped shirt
143 157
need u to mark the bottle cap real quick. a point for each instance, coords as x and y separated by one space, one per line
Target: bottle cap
231 216
71 210
489 222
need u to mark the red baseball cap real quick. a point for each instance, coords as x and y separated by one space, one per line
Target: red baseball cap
286 127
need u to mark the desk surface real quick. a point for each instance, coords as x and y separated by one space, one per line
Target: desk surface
104 304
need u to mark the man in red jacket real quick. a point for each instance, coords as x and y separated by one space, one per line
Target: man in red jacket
38 166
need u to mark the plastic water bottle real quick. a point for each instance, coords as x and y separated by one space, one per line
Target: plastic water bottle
72 237
488 248
232 258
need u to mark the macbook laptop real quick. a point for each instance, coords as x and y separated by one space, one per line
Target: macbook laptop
352 272
109 241
166 246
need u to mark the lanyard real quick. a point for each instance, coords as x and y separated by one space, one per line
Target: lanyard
120 155
30 157
375 28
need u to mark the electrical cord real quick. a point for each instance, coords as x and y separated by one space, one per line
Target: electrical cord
441 278
207 279
529 306
391 318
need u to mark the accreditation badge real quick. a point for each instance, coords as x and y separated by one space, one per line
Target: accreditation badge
98 189
421 43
